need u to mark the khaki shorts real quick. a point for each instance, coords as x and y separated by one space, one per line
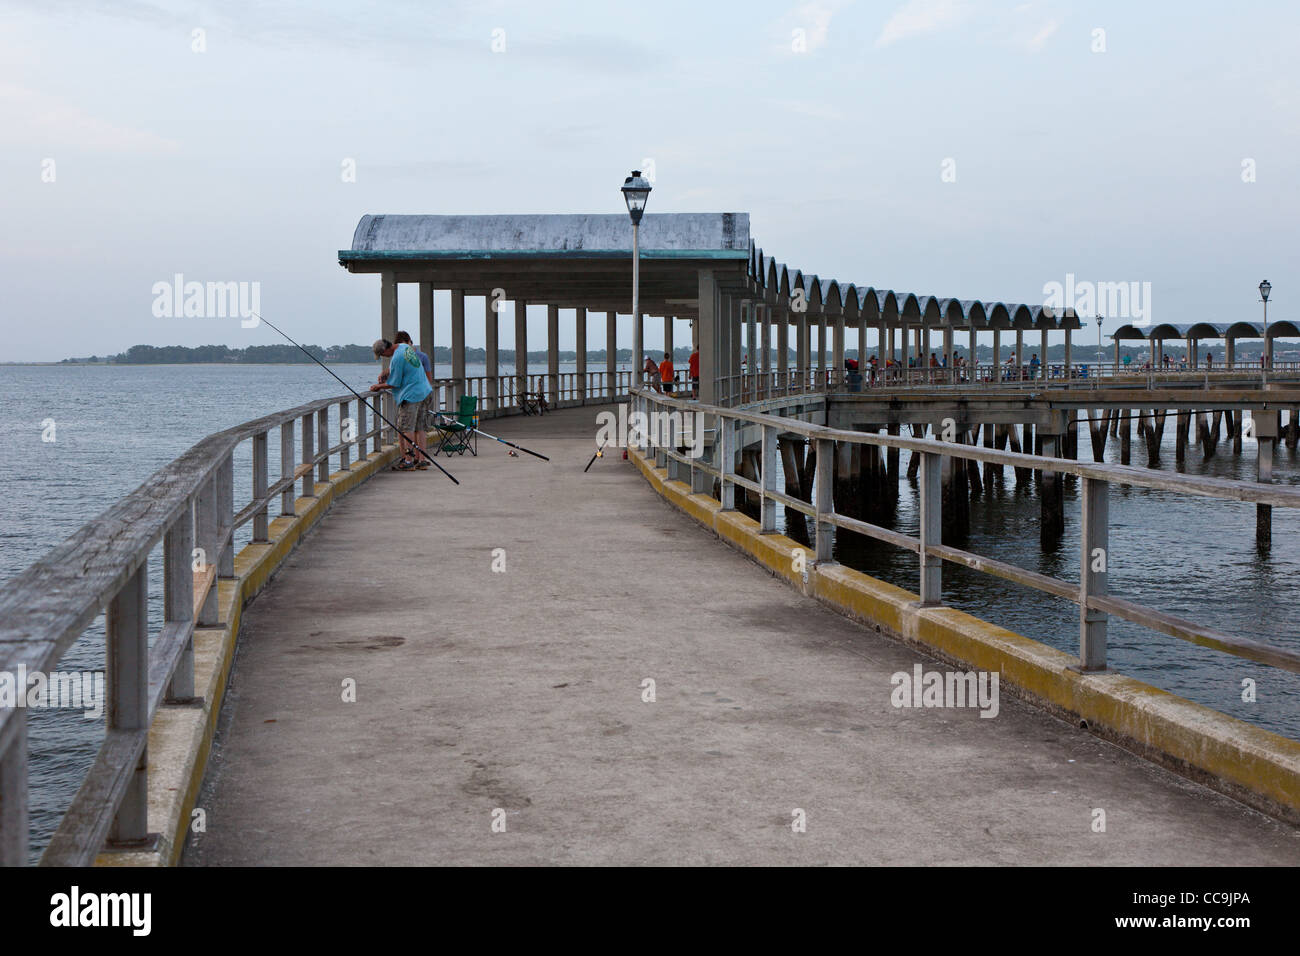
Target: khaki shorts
407 413
424 416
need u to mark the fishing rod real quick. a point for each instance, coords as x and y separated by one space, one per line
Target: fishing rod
409 440
600 453
501 440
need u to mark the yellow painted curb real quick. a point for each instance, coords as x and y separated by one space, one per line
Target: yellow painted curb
1246 762
180 738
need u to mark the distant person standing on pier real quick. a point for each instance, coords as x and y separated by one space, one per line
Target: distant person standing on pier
852 376
693 368
651 372
410 387
1033 366
666 372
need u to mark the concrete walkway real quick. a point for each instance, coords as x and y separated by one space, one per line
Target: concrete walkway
523 691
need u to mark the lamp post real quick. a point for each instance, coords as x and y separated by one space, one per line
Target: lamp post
1099 345
636 191
1265 288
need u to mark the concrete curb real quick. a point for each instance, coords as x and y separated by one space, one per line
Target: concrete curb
180 738
1255 766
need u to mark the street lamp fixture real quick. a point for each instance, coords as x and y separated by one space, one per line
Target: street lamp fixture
636 190
1265 288
1099 345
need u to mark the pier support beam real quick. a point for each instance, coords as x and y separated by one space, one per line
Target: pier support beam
1266 432
1051 486
426 319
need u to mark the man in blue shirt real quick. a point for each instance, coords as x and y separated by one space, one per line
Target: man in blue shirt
409 383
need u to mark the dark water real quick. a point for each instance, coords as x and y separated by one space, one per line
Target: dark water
113 427
1192 557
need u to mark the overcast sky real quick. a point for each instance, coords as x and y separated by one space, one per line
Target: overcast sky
227 163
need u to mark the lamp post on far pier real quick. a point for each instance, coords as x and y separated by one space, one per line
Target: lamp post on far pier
1265 288
636 190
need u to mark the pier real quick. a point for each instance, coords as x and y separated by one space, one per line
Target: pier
390 697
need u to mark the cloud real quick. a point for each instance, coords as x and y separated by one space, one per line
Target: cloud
1038 39
28 117
919 17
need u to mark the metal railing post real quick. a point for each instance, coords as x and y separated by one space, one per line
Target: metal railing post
1093 564
127 663
361 431
323 443
261 480
206 533
771 464
823 491
178 597
308 453
345 459
726 463
931 504
286 466
225 492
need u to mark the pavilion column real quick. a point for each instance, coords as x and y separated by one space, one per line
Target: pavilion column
611 355
883 334
426 319
1117 360
580 333
457 347
750 319
823 350
553 355
387 309
802 349
1191 352
904 351
837 362
782 350
997 355
1020 353
521 351
1067 355
1043 357
1229 351
706 329
733 316
974 354
1158 354
668 342
492 387
949 351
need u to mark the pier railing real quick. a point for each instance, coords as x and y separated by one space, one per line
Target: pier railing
730 429
189 506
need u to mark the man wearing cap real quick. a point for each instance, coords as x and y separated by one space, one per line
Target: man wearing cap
410 386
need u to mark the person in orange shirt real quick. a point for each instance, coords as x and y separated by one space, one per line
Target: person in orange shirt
693 366
666 372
